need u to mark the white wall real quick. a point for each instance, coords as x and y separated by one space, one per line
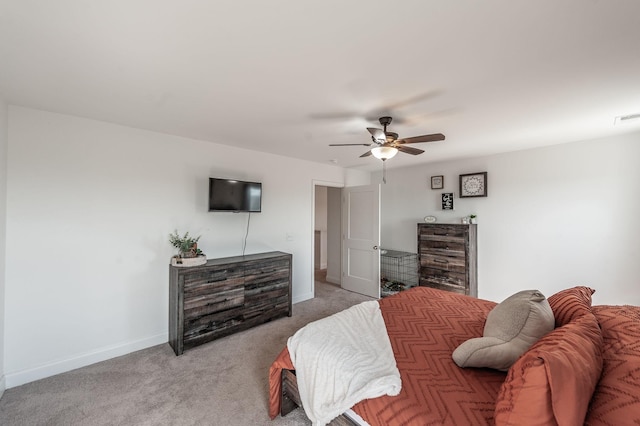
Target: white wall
554 217
90 206
3 221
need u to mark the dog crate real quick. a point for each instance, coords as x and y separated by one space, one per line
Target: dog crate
398 271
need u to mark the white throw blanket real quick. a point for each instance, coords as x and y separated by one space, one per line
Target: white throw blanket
341 360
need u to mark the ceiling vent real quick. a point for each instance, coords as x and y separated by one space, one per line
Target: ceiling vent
627 119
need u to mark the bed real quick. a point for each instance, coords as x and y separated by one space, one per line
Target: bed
426 325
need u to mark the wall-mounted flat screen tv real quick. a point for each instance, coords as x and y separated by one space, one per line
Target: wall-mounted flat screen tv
229 195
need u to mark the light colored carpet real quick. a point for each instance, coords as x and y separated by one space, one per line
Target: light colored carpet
224 382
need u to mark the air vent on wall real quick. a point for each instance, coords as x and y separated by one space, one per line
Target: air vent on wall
627 119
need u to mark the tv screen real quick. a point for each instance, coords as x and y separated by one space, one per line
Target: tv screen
229 195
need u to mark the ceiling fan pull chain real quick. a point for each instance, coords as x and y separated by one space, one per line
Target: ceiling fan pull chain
384 172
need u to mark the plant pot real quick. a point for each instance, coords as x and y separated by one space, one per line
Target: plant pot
191 252
188 261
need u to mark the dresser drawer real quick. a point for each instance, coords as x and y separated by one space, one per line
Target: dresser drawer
268 290
443 233
222 299
262 308
203 280
444 263
267 280
444 280
257 272
442 248
212 290
206 327
425 282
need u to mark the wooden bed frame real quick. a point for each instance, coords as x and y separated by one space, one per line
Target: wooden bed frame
291 399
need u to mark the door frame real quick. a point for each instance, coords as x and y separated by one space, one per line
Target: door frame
315 183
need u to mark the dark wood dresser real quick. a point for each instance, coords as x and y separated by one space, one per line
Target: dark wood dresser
447 257
225 296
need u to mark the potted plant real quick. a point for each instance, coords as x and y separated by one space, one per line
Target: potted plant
189 253
472 218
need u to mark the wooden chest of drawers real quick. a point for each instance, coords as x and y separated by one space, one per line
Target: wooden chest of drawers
225 296
447 257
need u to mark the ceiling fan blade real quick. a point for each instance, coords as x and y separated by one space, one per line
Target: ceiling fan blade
409 150
416 119
424 138
412 100
366 154
350 144
335 115
377 134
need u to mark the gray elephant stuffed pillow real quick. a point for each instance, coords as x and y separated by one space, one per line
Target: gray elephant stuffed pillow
511 328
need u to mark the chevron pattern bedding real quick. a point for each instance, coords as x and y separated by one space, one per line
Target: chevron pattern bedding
425 325
616 400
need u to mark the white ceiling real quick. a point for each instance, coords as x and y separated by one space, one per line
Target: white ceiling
290 76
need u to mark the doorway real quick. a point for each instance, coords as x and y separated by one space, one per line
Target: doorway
330 216
327 233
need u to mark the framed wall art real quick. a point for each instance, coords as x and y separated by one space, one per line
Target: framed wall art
473 185
437 182
447 201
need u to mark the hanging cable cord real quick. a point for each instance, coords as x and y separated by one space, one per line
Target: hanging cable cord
244 244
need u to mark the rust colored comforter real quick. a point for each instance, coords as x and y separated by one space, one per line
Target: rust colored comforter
425 325
616 400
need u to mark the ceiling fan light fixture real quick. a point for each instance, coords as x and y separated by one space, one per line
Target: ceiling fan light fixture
384 152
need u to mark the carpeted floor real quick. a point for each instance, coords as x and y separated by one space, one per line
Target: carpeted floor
224 382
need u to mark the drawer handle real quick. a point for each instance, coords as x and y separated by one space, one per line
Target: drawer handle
446 234
440 261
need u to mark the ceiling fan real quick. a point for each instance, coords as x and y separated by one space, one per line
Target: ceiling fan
386 144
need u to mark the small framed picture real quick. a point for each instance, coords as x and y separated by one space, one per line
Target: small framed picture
437 182
473 185
447 201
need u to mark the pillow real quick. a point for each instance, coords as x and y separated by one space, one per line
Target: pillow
570 304
553 381
511 328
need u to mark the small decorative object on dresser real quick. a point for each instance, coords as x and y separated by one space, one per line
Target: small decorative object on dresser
437 182
189 253
473 185
447 257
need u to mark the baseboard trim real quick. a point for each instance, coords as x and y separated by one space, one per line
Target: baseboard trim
302 298
3 385
333 280
82 360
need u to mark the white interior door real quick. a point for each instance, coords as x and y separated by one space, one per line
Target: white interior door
361 239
